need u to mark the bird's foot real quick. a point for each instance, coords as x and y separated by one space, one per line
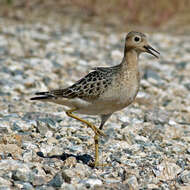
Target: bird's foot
98 164
97 131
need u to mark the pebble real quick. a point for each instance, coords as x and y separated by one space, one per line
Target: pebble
4 182
23 185
56 181
184 177
90 183
132 182
168 170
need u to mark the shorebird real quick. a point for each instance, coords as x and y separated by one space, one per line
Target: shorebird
105 90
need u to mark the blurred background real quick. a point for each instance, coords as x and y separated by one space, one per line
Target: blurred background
163 15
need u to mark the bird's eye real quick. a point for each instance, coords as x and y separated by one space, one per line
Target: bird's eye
136 39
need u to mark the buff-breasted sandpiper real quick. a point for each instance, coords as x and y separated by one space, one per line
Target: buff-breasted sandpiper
105 90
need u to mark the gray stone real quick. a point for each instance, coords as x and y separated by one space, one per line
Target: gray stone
44 187
181 65
187 85
157 116
132 182
91 182
21 175
37 180
4 182
56 181
184 177
23 185
4 187
188 150
66 186
42 128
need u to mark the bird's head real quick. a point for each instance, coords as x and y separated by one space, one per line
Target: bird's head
137 41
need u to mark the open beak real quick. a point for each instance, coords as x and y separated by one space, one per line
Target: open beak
148 50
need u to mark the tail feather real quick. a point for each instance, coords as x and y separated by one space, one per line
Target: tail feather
42 93
42 96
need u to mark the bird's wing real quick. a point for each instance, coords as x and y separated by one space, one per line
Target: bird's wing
89 87
106 69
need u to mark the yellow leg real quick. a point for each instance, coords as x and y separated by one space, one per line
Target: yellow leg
95 129
96 163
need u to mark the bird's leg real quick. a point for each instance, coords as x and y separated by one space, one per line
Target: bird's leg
96 162
104 118
95 129
96 136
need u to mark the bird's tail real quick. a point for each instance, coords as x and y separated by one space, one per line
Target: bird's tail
42 96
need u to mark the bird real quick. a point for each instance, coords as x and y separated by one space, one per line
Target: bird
104 90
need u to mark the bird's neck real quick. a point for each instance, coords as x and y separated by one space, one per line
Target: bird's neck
130 60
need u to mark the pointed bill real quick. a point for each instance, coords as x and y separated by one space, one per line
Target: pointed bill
151 51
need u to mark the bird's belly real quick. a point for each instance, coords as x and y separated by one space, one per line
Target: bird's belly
106 104
99 108
96 107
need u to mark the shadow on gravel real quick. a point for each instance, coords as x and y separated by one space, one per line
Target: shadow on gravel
85 158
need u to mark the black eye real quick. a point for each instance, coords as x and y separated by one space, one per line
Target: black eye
137 39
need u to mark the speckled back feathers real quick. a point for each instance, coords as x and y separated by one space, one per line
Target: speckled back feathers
90 87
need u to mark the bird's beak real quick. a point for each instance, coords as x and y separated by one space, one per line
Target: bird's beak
148 50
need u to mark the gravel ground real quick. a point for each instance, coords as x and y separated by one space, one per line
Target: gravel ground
147 144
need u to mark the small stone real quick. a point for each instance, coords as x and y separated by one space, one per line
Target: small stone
168 170
112 180
4 187
24 125
23 185
13 165
171 122
188 150
187 85
185 187
152 186
4 127
70 162
181 65
27 155
151 74
16 127
80 170
12 149
56 181
140 139
42 127
66 178
66 186
132 182
181 161
4 182
157 116
90 183
37 180
21 174
184 177
44 187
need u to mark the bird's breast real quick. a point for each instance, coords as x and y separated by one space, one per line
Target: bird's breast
128 88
